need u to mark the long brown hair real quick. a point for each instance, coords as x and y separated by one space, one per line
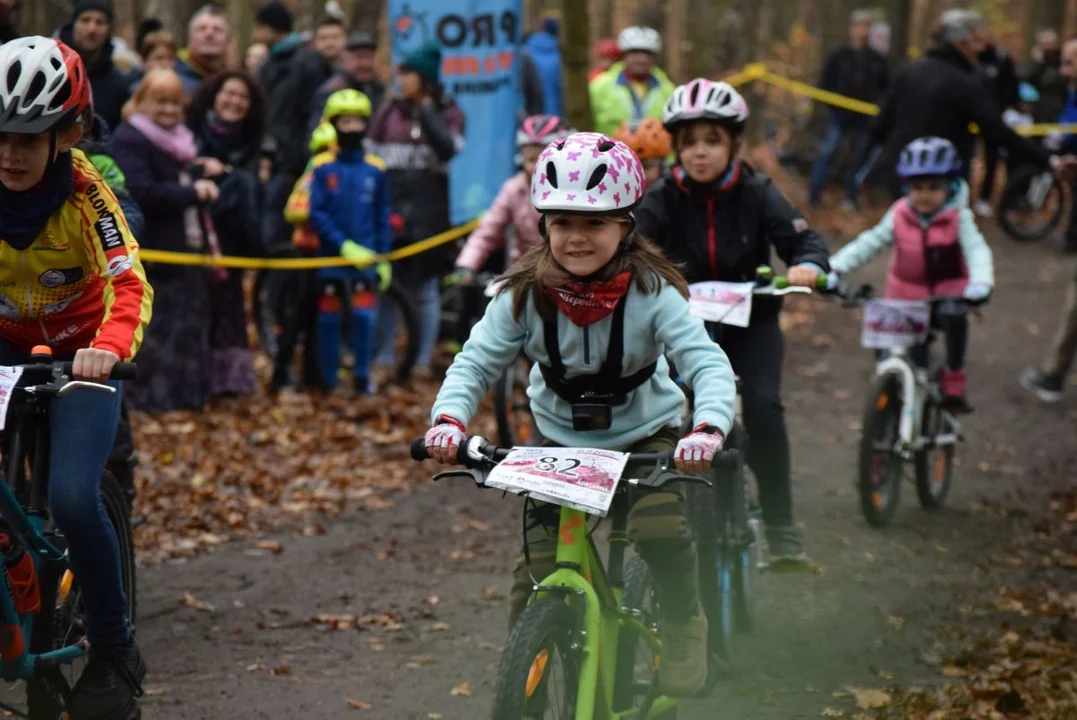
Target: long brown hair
536 272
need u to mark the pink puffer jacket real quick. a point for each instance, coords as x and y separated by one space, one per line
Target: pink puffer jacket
512 206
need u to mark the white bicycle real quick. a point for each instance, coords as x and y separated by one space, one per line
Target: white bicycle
906 421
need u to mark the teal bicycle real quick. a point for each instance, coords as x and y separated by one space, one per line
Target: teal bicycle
42 637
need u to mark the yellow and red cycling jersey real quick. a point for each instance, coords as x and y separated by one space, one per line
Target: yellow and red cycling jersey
80 283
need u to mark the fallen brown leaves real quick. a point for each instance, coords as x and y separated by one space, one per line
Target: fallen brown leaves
1022 659
259 464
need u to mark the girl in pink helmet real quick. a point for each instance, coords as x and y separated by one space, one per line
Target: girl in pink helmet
594 284
720 219
512 206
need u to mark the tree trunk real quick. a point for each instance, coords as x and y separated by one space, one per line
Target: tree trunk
1069 27
900 16
675 39
576 33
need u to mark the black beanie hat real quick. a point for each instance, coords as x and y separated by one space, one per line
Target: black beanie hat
275 15
85 6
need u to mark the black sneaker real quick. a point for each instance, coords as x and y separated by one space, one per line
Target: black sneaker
110 685
1047 388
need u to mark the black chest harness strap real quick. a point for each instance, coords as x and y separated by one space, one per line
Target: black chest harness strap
607 386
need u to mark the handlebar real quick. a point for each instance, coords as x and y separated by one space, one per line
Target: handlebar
121 371
479 456
945 304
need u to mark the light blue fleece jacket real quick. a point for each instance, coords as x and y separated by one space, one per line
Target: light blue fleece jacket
654 325
871 243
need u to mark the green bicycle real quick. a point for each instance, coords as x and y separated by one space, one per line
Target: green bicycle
588 645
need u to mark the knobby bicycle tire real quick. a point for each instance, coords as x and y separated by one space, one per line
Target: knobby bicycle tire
934 479
514 377
880 426
709 525
408 317
56 615
1011 200
547 625
638 592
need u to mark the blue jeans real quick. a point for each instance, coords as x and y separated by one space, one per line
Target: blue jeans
429 311
83 427
836 131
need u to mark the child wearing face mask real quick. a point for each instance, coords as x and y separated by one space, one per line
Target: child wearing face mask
938 251
594 284
721 219
349 211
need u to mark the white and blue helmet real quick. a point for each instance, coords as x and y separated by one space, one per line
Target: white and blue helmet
929 156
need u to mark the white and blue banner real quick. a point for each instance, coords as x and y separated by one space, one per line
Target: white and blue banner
480 44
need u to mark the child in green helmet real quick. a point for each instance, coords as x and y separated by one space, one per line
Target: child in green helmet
349 212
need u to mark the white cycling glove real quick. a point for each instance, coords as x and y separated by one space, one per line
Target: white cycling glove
448 432
696 450
977 292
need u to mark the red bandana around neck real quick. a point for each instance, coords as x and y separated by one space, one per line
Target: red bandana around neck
585 303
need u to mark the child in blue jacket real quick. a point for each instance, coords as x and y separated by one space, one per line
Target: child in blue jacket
349 210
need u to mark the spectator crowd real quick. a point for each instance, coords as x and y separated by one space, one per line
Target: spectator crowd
212 153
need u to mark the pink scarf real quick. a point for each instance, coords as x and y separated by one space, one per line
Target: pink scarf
177 143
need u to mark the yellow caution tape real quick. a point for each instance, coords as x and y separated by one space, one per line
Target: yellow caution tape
243 263
758 71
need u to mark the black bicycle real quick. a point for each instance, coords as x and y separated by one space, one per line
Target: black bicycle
1032 204
281 296
43 638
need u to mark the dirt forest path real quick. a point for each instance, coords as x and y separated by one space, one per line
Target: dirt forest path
416 588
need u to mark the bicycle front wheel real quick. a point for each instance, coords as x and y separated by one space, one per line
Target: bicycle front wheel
61 621
404 324
1032 205
540 672
515 423
881 467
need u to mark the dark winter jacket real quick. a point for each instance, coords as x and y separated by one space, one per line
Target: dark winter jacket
940 95
725 232
341 80
111 88
418 169
237 213
860 74
153 179
290 78
1046 76
997 65
531 91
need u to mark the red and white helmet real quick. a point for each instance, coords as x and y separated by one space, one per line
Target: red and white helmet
587 172
704 99
541 130
42 83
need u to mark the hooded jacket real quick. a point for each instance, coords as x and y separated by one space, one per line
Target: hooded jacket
111 88
725 231
545 53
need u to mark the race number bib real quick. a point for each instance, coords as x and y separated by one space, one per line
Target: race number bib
893 324
578 478
9 378
721 302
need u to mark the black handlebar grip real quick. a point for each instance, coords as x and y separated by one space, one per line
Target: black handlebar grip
418 450
124 371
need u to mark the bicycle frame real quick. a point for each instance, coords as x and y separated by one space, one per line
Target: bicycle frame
899 365
581 573
30 528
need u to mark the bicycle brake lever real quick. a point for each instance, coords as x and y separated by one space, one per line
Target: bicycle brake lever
477 476
73 385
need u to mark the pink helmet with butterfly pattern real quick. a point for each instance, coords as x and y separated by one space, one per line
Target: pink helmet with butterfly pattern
587 172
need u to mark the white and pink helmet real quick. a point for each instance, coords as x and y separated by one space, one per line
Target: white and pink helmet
703 99
587 172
